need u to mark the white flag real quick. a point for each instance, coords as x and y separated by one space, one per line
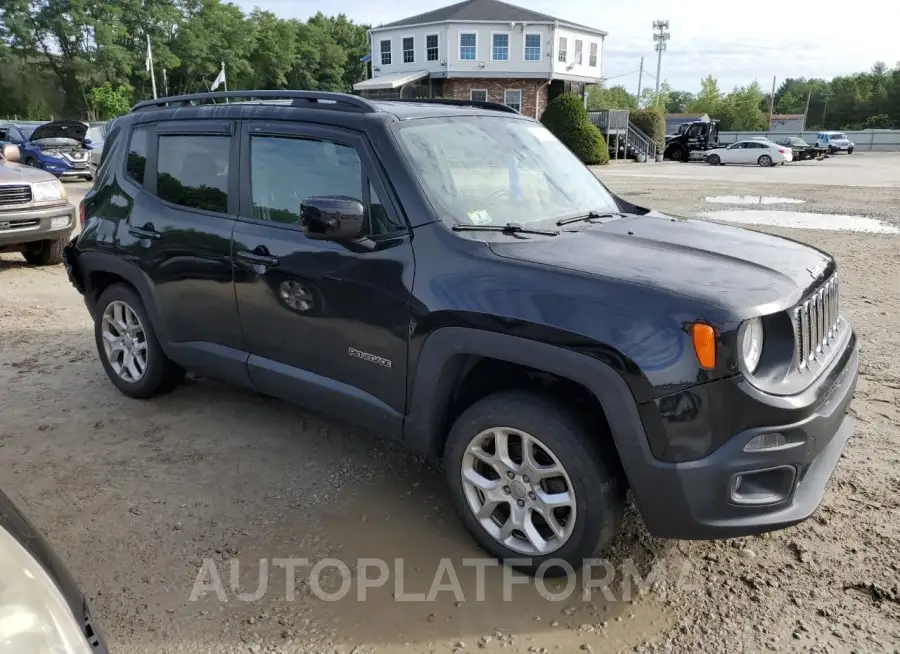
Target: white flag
149 59
220 79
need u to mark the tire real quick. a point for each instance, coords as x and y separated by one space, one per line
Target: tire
714 160
676 154
765 161
48 252
589 470
849 150
160 374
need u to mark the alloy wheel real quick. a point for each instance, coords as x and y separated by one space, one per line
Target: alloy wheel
124 341
519 491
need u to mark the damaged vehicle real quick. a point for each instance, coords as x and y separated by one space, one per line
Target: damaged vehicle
60 147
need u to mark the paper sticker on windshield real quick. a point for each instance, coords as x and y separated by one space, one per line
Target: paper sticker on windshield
541 134
480 217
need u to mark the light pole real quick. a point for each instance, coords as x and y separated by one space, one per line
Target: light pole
661 37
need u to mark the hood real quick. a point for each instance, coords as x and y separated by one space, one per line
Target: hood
740 270
16 173
60 129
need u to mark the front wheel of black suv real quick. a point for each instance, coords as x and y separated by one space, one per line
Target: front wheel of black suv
44 253
532 483
128 347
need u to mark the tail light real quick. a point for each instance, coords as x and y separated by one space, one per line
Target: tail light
81 213
782 151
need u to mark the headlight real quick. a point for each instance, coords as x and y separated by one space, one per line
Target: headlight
54 155
750 343
34 616
47 191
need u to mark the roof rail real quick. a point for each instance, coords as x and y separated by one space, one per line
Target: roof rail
495 106
342 101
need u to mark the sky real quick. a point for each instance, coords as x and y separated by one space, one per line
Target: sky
766 39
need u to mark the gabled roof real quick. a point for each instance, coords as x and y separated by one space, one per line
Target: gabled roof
484 11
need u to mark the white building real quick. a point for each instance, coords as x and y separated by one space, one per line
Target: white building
484 50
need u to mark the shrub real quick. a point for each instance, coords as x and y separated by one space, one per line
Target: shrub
566 118
651 122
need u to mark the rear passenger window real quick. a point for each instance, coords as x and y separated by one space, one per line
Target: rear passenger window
138 146
192 171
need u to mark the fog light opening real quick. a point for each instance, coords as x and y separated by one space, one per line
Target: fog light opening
769 486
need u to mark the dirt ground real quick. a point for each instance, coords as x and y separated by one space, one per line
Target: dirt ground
135 496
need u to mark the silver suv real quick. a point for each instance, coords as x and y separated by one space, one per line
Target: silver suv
36 217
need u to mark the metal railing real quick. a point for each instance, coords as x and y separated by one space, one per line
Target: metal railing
640 143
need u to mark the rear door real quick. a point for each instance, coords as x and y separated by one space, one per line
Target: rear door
183 211
326 324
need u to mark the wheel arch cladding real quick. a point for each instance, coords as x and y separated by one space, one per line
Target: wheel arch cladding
105 270
445 355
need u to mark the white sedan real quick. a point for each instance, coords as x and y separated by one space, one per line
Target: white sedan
763 153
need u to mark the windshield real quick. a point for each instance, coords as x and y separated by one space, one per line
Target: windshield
57 141
27 130
839 137
485 170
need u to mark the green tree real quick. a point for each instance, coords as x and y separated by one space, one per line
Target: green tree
107 101
567 118
615 97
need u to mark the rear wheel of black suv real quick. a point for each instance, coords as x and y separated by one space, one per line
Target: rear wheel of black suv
44 253
128 347
532 483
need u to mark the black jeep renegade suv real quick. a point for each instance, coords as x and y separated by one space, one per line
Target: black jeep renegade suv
450 274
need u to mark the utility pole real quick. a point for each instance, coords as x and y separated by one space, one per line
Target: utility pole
825 108
640 79
806 111
661 37
772 103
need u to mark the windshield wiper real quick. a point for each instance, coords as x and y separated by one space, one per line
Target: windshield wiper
590 215
508 228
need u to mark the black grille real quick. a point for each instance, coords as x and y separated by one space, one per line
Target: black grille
816 323
14 194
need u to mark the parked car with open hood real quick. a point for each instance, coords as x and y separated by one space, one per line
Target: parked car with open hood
41 607
36 217
60 147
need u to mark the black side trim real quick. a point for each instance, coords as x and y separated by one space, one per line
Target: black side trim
438 366
92 262
323 395
212 360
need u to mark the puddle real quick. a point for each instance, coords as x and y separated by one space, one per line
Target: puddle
752 199
800 220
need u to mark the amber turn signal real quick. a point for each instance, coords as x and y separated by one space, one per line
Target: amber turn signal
704 338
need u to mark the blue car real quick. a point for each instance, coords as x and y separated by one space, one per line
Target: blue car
60 147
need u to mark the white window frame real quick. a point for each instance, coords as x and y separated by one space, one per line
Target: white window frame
389 53
521 97
593 54
471 91
437 56
562 54
579 54
403 50
459 45
508 45
540 56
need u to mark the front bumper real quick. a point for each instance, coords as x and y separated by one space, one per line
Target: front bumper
733 492
30 225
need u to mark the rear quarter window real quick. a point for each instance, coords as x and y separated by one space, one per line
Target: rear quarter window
136 158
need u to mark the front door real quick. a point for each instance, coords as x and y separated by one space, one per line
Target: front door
326 324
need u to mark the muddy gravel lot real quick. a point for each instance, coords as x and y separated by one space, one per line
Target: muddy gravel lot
143 499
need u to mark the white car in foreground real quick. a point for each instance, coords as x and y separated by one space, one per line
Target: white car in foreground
763 153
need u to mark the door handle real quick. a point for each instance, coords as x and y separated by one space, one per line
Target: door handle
258 259
147 231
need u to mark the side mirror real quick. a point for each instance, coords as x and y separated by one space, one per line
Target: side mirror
87 141
11 153
333 218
